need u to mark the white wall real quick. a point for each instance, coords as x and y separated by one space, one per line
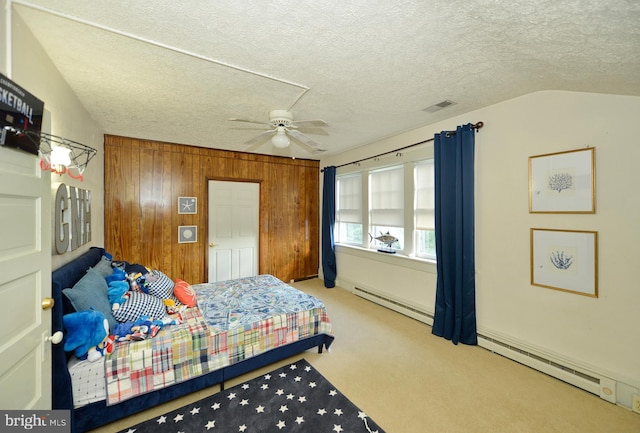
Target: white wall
31 68
600 334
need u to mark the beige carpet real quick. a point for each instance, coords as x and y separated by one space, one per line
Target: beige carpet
410 381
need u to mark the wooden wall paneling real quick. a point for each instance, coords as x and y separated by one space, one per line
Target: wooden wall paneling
150 207
207 166
117 223
121 197
299 221
182 262
311 228
309 214
161 172
167 209
286 217
197 264
264 220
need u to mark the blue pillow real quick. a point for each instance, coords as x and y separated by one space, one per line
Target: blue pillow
91 292
104 267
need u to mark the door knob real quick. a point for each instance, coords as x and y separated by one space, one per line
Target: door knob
55 338
47 303
211 245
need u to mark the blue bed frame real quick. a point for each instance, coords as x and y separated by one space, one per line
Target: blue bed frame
96 414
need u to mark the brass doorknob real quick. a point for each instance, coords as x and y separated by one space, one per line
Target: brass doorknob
211 245
47 303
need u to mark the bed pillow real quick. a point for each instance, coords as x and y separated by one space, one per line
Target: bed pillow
160 285
185 293
91 292
103 267
140 304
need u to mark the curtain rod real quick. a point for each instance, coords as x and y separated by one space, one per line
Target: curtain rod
474 126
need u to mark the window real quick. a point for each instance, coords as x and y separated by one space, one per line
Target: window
425 240
349 209
386 204
397 199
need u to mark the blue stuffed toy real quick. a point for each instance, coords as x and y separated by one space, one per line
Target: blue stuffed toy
118 293
85 331
116 275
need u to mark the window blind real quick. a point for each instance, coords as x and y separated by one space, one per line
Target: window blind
386 203
349 209
425 201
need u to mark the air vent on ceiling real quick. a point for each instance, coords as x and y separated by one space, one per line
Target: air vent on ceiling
439 106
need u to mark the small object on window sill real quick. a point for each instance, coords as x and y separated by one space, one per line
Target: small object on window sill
385 239
386 251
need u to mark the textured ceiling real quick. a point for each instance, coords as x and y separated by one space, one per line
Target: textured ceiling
176 71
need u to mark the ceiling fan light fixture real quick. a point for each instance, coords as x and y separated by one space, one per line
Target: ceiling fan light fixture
280 140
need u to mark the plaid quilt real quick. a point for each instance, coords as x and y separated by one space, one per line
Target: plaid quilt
176 353
234 320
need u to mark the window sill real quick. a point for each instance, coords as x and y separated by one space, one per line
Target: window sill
397 259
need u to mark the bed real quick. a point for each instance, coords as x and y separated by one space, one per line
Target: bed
224 344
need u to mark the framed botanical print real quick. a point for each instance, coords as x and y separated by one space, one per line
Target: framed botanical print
565 260
562 182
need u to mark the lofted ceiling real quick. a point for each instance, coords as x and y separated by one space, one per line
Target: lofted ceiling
176 71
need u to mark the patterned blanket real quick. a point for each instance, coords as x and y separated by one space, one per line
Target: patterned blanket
234 320
176 353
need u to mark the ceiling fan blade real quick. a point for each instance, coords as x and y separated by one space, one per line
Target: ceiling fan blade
260 137
303 123
307 141
235 119
251 128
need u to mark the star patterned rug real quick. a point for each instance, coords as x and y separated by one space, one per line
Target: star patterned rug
293 398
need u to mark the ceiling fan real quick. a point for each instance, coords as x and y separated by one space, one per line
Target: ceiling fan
282 127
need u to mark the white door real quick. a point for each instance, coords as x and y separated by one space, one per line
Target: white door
25 282
234 209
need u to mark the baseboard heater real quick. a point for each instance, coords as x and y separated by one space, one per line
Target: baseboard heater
581 378
588 381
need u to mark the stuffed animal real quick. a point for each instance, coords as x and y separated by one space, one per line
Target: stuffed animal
143 328
139 282
117 291
85 331
117 275
173 308
105 348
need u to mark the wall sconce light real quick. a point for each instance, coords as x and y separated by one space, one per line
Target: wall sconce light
280 140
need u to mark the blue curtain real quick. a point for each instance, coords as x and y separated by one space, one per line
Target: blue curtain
455 308
328 221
